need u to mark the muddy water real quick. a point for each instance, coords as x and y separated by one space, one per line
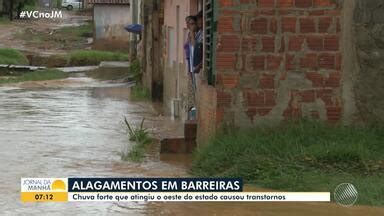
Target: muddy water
73 128
70 131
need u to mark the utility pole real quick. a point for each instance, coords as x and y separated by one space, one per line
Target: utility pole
133 37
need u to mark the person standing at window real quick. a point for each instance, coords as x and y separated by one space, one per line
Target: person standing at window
192 44
198 44
189 20
191 23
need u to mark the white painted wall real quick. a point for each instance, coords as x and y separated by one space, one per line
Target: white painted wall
110 21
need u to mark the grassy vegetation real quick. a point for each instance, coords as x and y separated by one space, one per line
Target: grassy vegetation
141 138
78 31
67 38
135 70
52 61
304 156
83 58
48 74
139 93
92 57
30 5
12 56
4 20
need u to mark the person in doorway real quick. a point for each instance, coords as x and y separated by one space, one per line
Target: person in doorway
198 44
191 23
189 20
196 54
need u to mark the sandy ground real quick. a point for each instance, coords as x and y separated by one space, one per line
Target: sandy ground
8 31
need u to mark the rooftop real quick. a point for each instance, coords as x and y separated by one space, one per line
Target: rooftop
109 1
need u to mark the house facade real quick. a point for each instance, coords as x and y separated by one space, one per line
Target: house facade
176 78
110 17
269 61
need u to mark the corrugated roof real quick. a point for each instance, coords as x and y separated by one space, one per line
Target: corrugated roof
109 1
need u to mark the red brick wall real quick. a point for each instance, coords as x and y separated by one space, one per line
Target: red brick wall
278 59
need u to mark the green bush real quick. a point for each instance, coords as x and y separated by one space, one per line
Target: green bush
12 56
135 70
304 156
76 32
48 74
30 5
92 57
139 134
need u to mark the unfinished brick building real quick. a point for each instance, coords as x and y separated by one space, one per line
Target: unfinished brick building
267 61
274 60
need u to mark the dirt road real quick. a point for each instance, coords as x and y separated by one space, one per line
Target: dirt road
10 32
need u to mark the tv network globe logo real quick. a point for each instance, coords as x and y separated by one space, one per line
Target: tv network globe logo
346 194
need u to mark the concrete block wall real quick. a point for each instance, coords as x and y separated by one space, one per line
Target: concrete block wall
110 20
367 64
207 115
173 92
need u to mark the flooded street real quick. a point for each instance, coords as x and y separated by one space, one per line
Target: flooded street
71 131
74 128
230 65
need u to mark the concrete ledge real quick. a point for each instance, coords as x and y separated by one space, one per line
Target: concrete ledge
77 69
190 130
181 145
21 67
114 64
177 146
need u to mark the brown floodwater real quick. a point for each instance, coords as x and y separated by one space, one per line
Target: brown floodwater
74 128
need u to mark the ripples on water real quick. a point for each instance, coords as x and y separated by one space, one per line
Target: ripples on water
66 132
77 131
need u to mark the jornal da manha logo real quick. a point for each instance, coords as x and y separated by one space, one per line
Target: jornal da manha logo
44 189
43 184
